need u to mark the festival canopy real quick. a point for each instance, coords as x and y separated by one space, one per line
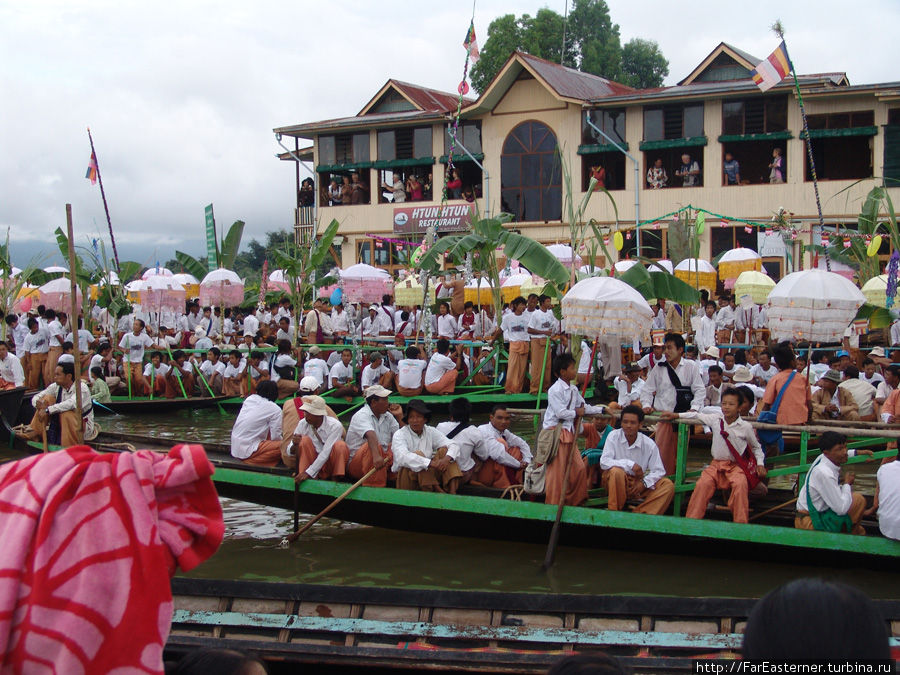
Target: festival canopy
56 294
278 280
738 260
479 291
408 292
365 283
875 290
757 285
606 306
221 288
843 269
190 282
159 293
813 305
157 272
697 273
563 253
665 264
109 277
511 286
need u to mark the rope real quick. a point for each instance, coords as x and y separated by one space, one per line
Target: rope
514 492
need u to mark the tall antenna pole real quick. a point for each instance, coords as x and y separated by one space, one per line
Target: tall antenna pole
562 53
105 207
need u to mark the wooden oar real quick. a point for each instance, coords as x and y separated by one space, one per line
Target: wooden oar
554 533
291 538
774 508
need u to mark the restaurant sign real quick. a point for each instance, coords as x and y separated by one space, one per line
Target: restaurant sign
417 219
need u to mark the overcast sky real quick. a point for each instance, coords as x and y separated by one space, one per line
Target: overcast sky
182 98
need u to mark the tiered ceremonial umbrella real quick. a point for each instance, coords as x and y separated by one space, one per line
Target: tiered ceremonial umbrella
735 261
511 286
606 306
813 305
190 283
479 291
279 281
838 268
159 293
875 290
408 293
563 253
156 272
364 283
57 293
757 285
696 272
221 288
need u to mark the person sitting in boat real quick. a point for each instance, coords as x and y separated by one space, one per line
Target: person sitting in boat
133 345
180 377
99 389
55 410
411 373
258 371
12 374
284 371
503 446
317 448
443 370
424 459
561 428
315 366
155 376
628 386
473 456
256 434
732 440
887 498
869 373
234 374
889 408
830 402
823 503
863 393
468 324
341 378
66 355
376 372
212 371
716 386
485 374
291 412
632 467
369 436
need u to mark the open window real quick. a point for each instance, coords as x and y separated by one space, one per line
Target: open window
753 129
599 157
842 145
343 158
406 153
673 138
468 133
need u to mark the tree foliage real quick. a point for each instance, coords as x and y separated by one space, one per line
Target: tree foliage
593 46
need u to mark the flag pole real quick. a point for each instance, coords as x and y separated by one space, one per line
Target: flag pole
779 30
105 207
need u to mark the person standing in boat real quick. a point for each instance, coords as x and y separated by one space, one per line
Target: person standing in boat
256 434
424 459
317 448
732 438
823 502
369 436
133 344
542 326
514 327
632 467
674 385
54 408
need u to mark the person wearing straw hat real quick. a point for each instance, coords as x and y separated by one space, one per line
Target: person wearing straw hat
831 402
291 410
317 448
424 458
256 434
370 434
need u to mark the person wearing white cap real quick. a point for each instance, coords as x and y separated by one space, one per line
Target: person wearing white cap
424 459
369 326
369 436
708 358
317 449
315 366
256 434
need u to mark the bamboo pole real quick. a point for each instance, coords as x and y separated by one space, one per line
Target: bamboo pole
73 320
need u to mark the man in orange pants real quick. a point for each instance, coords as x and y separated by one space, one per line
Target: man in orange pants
317 449
514 328
369 436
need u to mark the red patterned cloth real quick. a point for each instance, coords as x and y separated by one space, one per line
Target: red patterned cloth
89 544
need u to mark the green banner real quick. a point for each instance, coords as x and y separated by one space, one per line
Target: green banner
211 247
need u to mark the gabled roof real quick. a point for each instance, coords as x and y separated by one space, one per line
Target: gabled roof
739 56
566 84
421 98
360 123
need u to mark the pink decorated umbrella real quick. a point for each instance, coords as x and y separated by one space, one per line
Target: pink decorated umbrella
221 288
159 293
56 295
277 279
364 283
563 253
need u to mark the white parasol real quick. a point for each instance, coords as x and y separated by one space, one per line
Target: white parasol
813 305
665 264
738 260
697 272
156 272
222 288
563 253
56 294
606 306
623 266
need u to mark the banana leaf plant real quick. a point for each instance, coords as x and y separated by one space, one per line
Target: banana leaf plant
225 254
655 284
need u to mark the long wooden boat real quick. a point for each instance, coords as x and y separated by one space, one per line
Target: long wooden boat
144 404
456 630
476 515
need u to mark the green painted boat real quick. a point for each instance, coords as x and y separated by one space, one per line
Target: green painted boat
144 404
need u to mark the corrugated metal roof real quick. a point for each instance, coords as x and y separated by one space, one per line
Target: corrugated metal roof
753 60
310 129
429 99
573 84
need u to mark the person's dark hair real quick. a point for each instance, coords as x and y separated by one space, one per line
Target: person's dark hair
868 362
830 439
3 342
412 352
235 352
895 370
633 410
740 357
560 363
834 360
218 661
588 663
818 355
216 351
676 339
851 373
532 295
469 305
815 619
67 368
386 299
404 315
692 349
103 346
67 346
542 298
714 369
32 322
256 354
442 302
268 390
731 391
442 346
747 393
460 410
10 319
497 407
97 372
518 300
154 355
764 351
49 314
784 356
710 303
284 346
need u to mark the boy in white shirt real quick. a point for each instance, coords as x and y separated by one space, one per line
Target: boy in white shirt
341 378
376 372
541 327
443 371
233 376
315 366
155 376
411 373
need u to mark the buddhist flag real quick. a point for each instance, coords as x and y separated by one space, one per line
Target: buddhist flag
91 174
773 70
471 44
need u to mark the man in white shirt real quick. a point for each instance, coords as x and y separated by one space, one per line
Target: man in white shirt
213 370
385 317
503 446
369 437
341 378
234 374
471 454
423 456
764 370
651 358
12 374
56 336
317 449
376 372
887 498
315 366
256 434
369 326
18 330
36 345
870 374
541 327
660 393
411 373
155 376
823 503
706 333
725 320
340 321
863 393
443 370
251 324
515 332
55 409
133 344
628 386
633 469
446 324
